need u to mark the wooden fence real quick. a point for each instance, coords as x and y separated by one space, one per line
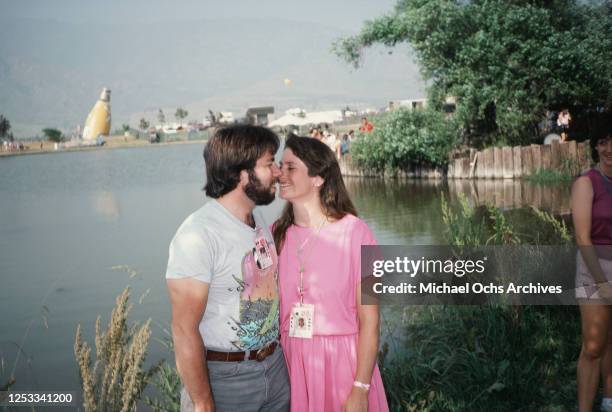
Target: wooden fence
519 161
494 163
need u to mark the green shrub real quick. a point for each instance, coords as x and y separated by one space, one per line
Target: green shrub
405 138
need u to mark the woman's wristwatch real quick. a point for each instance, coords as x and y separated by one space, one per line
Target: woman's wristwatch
365 386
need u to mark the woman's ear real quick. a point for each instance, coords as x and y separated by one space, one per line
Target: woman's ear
318 181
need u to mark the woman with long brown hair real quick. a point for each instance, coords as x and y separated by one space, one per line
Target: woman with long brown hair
330 339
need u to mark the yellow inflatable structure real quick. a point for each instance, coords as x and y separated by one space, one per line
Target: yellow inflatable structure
99 119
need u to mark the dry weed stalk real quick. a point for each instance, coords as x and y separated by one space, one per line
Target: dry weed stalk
116 381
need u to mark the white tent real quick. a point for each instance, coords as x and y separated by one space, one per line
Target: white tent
288 120
330 116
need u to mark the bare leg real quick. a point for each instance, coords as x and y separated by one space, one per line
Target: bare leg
606 366
595 323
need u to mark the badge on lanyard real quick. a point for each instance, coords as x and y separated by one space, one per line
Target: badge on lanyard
261 253
301 320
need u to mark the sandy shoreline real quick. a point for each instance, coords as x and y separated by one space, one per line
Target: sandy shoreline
115 142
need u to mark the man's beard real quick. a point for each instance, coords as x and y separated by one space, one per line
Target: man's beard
257 192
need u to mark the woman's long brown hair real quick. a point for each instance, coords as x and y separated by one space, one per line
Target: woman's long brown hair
320 161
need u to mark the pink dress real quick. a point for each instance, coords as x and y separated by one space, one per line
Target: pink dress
322 369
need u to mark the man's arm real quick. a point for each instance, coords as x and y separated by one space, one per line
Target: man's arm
188 298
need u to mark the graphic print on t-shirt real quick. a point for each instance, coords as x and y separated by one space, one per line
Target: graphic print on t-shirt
258 322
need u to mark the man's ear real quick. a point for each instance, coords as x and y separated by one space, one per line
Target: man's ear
244 178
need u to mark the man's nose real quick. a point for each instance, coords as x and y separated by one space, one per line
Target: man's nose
276 172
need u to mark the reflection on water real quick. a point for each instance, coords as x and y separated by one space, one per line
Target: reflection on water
128 204
106 205
400 212
409 212
510 194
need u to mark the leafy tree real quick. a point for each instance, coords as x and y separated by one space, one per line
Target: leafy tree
161 117
5 127
125 127
505 61
144 124
53 135
180 114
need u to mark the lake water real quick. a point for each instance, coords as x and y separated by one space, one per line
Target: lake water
76 228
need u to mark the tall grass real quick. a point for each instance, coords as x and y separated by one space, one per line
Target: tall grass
485 359
167 382
116 380
488 358
567 171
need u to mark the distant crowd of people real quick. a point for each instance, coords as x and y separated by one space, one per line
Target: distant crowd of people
339 144
13 146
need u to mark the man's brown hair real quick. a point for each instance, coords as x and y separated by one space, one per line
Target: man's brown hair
231 150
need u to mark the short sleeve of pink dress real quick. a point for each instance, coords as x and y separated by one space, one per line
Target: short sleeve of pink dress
322 369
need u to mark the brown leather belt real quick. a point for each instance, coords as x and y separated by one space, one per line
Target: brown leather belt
256 354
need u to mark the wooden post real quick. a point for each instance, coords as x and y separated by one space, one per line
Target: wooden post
555 155
489 161
480 165
536 153
546 156
498 163
518 164
473 165
465 166
507 163
458 171
527 160
563 154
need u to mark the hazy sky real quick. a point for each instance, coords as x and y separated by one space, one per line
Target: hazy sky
346 14
57 55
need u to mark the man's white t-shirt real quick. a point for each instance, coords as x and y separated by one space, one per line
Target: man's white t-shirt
215 247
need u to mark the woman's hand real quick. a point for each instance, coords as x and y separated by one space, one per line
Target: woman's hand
357 401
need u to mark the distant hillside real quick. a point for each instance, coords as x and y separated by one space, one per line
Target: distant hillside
51 73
